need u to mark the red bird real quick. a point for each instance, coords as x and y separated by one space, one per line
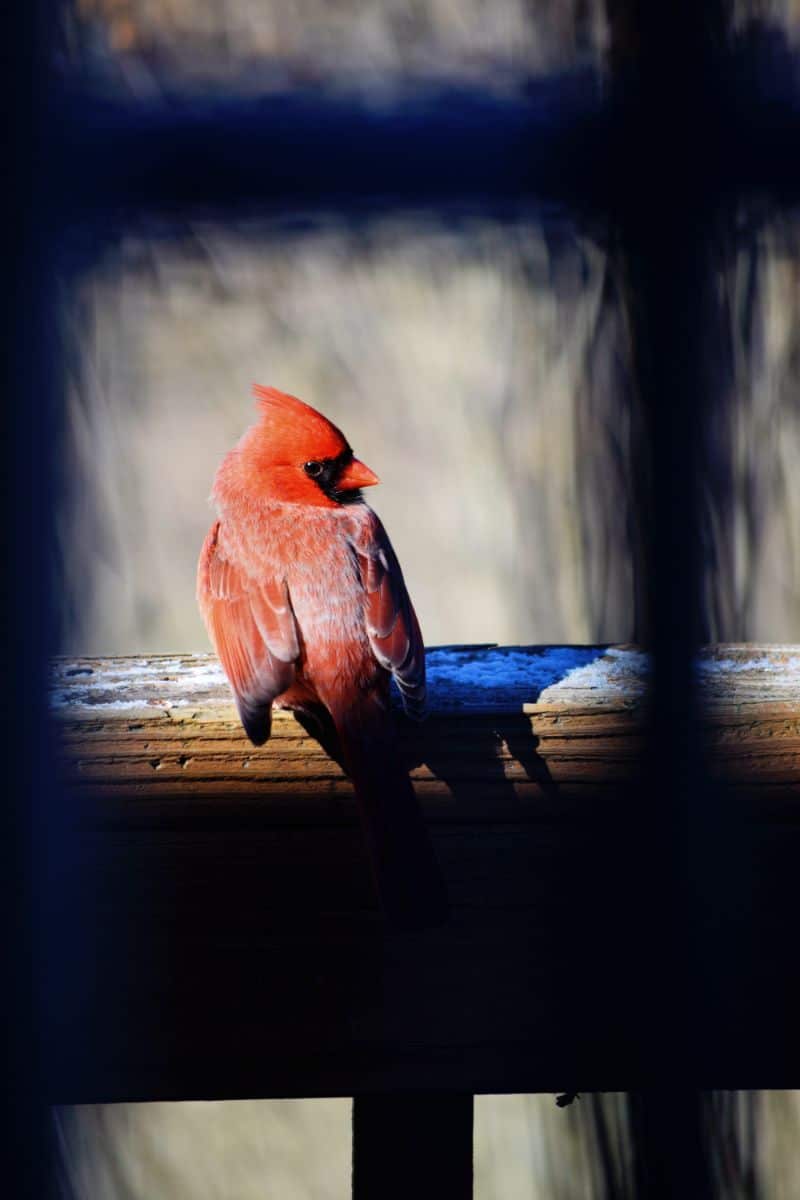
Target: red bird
306 606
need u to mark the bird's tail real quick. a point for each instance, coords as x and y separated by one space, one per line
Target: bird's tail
407 875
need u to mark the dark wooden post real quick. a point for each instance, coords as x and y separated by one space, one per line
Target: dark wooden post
412 1144
32 361
666 205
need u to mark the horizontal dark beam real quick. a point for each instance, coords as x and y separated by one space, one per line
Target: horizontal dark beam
415 1144
565 140
306 150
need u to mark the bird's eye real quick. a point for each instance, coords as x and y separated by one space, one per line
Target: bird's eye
313 468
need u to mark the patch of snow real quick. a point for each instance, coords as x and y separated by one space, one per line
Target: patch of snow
156 682
209 673
78 699
710 667
463 677
615 671
460 678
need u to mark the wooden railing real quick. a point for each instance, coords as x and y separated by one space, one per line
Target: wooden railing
219 931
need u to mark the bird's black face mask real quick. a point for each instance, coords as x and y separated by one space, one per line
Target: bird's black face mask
326 471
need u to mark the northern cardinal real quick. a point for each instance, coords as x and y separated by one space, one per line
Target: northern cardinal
306 606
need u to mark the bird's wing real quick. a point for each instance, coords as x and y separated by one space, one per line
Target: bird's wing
392 626
253 629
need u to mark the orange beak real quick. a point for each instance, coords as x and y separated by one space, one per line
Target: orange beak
356 475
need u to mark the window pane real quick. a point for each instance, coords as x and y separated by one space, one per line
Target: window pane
776 14
295 1149
478 368
528 1148
752 488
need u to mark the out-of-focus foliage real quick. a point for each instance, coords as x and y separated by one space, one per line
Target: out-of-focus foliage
753 1144
236 1150
752 492
778 1144
146 45
524 1147
783 14
455 360
529 1149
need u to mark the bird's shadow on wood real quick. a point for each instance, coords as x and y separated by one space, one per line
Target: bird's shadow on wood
484 764
485 749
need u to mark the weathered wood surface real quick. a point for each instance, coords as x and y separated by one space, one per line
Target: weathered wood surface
159 738
218 928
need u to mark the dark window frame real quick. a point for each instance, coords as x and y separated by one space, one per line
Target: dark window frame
685 129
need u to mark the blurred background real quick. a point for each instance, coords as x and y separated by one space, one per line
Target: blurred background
375 48
455 358
484 370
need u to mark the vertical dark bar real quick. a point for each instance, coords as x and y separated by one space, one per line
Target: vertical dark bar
664 201
668 835
25 491
412 1144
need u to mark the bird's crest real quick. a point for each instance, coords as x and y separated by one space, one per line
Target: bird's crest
271 400
282 415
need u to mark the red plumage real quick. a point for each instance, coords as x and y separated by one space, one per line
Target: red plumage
306 606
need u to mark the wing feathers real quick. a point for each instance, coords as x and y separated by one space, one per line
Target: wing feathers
392 625
252 626
272 612
253 629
